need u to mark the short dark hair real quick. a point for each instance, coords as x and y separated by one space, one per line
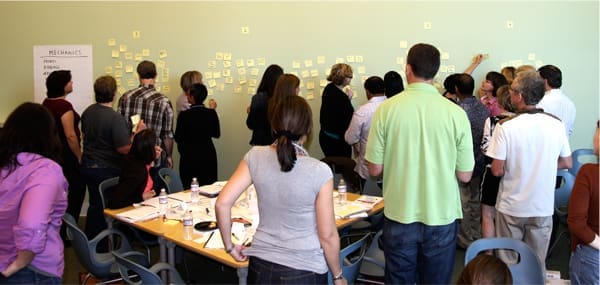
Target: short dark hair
142 147
531 86
375 85
552 74
199 93
29 128
56 82
146 70
105 88
465 84
393 83
497 80
291 119
424 60
450 83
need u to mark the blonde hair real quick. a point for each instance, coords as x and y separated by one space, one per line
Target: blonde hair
189 78
339 72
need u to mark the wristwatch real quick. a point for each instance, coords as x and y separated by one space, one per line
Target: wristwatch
228 250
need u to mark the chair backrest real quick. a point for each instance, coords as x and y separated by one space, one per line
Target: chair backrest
171 179
351 265
374 260
580 157
104 186
529 268
98 264
126 263
563 193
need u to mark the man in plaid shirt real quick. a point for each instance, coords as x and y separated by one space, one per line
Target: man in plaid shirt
154 109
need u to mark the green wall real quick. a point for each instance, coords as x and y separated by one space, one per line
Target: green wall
193 33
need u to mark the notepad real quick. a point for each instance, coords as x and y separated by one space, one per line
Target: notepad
368 201
348 210
138 214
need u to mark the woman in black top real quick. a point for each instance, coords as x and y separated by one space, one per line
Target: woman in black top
195 129
257 120
336 112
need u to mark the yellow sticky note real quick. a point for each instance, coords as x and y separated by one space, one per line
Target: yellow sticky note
129 68
118 64
403 44
445 55
212 64
443 68
358 58
310 85
305 73
252 82
130 82
451 68
212 83
361 70
261 61
166 88
226 72
162 53
128 55
108 70
314 72
146 52
122 48
208 75
227 56
226 63
295 64
161 63
171 222
136 34
308 63
320 59
310 96
221 87
229 80
219 56
251 90
112 42
237 89
138 57
241 71
339 60
350 58
217 74
250 62
254 71
115 53
239 63
119 73
323 82
211 92
242 80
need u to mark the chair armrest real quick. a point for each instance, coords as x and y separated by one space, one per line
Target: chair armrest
137 257
374 261
174 276
124 245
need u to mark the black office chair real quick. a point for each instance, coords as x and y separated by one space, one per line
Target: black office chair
343 167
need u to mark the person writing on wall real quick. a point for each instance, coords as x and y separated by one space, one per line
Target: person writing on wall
33 198
309 245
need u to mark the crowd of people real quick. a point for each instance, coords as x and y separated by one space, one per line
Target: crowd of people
454 168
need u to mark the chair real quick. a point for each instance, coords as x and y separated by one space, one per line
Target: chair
561 202
351 258
343 167
171 179
146 275
107 185
529 268
372 269
99 265
580 157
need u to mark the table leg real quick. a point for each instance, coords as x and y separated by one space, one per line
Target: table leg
242 274
162 246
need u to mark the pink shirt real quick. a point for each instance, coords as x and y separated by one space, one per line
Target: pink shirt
491 103
33 199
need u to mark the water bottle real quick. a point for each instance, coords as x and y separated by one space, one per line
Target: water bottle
342 192
163 202
188 225
195 187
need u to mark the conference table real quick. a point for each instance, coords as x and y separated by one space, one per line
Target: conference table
170 234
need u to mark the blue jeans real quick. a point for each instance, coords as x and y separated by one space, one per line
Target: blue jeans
264 272
94 173
28 276
583 267
418 253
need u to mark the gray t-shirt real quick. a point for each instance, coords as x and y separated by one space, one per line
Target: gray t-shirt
104 130
287 232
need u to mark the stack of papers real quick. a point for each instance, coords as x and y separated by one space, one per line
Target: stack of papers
210 190
139 214
356 208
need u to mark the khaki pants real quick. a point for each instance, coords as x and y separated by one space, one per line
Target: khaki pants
470 225
534 231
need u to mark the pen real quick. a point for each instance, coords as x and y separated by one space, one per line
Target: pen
210 236
207 211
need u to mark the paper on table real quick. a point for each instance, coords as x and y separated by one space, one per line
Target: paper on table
139 214
348 209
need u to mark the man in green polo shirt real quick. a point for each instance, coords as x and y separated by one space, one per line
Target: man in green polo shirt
422 144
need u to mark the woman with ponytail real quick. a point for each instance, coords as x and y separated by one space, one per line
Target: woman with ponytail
296 240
